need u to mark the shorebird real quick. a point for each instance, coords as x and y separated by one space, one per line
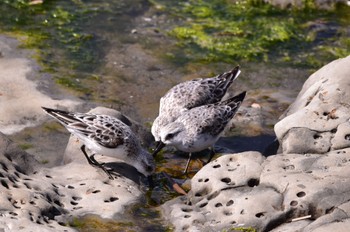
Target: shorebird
105 135
188 95
200 127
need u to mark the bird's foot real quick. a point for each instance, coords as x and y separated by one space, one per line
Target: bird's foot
96 164
93 162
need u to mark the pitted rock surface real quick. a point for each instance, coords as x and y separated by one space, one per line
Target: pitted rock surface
226 193
34 198
46 199
217 174
305 188
318 120
246 190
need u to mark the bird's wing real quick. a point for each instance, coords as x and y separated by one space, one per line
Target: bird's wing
102 129
198 92
216 123
212 118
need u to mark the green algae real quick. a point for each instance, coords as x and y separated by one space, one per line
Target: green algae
250 30
25 146
95 223
56 32
206 31
44 161
241 229
144 219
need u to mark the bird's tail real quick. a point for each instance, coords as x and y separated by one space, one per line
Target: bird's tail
234 102
63 117
229 77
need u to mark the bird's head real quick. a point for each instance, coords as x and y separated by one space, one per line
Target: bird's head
172 134
146 166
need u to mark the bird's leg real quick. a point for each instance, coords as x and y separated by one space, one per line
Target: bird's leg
212 153
92 158
188 163
92 161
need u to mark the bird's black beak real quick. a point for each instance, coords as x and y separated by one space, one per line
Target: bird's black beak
159 146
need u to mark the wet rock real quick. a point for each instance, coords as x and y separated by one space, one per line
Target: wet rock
266 194
304 188
304 140
21 160
246 166
46 199
318 120
16 89
225 194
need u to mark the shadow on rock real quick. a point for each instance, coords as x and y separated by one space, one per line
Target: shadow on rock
265 144
125 170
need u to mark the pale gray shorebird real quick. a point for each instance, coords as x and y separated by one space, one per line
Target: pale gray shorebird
188 95
200 127
105 135
191 94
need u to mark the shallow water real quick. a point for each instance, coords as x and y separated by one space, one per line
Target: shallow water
119 54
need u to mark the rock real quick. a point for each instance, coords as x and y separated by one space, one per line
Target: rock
246 166
21 160
292 226
303 188
318 120
336 220
304 140
230 196
15 88
46 199
221 212
240 193
305 179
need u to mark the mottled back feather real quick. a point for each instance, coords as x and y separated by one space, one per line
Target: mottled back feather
213 118
104 130
197 92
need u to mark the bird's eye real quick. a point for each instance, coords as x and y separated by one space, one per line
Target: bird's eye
169 136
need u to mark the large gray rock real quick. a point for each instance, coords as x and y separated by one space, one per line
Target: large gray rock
226 193
35 198
305 188
246 190
318 120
